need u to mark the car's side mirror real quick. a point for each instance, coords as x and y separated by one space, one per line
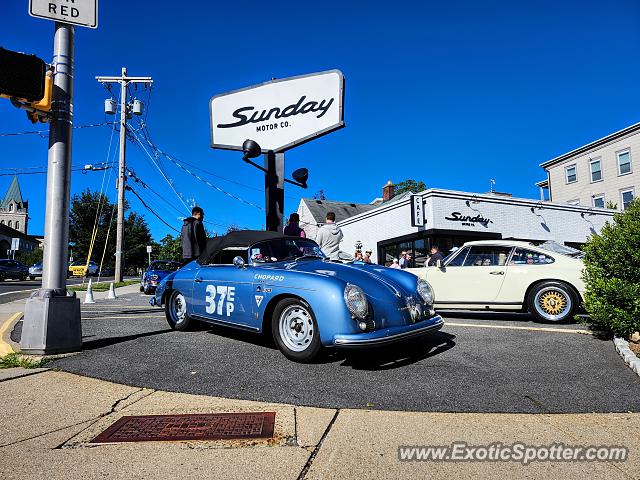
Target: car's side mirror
238 261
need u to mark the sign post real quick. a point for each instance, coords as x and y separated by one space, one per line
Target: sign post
52 315
278 115
149 253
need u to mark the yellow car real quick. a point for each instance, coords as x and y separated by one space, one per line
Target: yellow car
80 269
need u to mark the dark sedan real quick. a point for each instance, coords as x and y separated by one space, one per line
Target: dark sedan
13 269
155 273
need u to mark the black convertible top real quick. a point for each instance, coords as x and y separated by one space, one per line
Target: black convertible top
238 238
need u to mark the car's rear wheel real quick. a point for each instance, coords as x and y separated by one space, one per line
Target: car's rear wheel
552 302
295 330
176 311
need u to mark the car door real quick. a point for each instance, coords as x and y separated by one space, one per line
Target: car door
222 293
474 276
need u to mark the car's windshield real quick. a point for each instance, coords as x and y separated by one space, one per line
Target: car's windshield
285 249
168 266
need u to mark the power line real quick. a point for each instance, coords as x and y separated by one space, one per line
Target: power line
43 133
150 209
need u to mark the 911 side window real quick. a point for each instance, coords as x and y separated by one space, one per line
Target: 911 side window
487 256
522 256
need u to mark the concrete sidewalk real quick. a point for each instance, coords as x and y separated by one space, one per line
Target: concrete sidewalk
49 417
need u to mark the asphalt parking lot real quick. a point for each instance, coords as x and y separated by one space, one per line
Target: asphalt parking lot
477 363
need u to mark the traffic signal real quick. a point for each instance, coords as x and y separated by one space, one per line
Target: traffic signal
22 76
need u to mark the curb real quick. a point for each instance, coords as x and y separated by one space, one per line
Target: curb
6 345
630 358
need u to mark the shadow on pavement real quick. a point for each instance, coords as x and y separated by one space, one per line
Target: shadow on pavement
105 342
398 356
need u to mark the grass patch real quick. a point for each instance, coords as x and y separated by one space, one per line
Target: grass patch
101 287
16 360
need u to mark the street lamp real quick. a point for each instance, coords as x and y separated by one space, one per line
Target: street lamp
273 181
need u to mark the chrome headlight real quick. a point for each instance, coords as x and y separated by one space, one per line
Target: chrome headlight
356 301
426 292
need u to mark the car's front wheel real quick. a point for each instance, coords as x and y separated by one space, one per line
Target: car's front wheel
552 302
175 310
295 330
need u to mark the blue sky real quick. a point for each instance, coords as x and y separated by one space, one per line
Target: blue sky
451 93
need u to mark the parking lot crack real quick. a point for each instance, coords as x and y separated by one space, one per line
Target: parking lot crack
313 455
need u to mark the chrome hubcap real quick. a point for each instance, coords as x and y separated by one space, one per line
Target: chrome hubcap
296 328
179 309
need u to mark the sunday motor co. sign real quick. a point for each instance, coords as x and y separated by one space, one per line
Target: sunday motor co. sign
279 114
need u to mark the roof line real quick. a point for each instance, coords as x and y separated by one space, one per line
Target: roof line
589 146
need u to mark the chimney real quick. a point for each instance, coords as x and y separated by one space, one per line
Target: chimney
387 191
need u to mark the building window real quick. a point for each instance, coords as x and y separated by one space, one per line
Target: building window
11 207
596 170
598 201
571 174
624 162
625 195
1 222
17 225
10 223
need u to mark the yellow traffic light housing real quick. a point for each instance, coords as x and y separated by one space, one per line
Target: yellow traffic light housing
44 104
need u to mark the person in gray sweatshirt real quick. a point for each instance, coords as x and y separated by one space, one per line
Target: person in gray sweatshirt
329 237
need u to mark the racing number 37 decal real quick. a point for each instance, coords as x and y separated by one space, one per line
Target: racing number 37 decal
224 293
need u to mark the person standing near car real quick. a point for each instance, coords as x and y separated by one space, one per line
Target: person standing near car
293 227
194 238
435 256
329 237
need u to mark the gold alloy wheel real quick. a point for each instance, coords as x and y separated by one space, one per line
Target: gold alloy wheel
553 302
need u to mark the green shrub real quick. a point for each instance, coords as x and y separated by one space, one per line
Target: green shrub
612 274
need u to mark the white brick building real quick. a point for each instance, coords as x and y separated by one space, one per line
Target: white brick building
452 218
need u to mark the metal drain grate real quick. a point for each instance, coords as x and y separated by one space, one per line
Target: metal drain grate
214 426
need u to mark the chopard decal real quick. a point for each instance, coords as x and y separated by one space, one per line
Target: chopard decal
273 278
299 108
468 220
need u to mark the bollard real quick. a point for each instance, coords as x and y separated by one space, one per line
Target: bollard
112 292
89 296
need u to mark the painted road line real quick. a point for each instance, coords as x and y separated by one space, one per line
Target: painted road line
508 327
5 346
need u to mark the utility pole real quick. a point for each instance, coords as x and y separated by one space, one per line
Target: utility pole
124 81
52 317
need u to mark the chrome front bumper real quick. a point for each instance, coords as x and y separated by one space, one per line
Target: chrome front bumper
389 335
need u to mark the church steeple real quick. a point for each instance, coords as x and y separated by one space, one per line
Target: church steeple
13 194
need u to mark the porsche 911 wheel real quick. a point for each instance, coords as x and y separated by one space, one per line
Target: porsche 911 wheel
295 330
552 302
176 311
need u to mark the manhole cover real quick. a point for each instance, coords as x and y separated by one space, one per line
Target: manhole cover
214 426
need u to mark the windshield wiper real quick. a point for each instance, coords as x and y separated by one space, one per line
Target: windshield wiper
309 255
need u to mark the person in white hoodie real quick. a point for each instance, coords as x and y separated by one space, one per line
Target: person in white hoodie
329 237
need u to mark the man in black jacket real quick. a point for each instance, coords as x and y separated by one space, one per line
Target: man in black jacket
193 236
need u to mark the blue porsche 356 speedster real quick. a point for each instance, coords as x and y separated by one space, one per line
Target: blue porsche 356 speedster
266 282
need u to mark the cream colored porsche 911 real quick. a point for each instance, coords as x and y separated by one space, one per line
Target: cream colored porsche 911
507 275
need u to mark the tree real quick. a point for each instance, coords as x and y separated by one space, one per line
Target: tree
408 186
612 274
88 206
170 248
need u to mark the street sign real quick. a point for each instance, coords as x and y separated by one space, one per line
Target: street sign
279 114
148 248
417 211
76 12
15 244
